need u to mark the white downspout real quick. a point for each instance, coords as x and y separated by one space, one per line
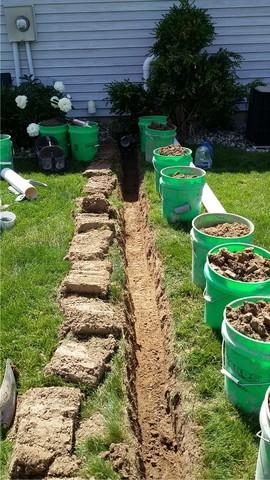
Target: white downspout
16 62
146 69
29 59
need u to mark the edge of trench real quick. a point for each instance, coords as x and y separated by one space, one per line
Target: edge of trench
169 447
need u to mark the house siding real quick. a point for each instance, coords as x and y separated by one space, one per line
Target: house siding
90 43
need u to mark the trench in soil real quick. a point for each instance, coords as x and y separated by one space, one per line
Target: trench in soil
161 459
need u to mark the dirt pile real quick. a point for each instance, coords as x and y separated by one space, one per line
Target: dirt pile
172 150
251 319
182 175
161 126
231 230
244 266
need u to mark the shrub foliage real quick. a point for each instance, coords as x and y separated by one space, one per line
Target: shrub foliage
192 85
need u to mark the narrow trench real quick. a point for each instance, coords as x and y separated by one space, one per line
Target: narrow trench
161 458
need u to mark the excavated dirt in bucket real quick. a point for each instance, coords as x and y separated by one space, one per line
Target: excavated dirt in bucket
245 266
172 150
251 319
161 126
182 175
229 230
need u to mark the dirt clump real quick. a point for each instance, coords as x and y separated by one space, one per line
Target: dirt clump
44 427
90 316
88 277
53 122
172 150
161 126
230 230
101 184
96 203
82 362
244 266
182 175
91 245
251 319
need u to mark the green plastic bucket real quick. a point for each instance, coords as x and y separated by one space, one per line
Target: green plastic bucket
84 141
181 197
60 132
6 157
263 461
144 122
202 242
163 161
220 291
157 138
245 364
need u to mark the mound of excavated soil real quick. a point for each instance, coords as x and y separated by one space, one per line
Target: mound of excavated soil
245 266
172 150
182 175
231 230
161 126
251 319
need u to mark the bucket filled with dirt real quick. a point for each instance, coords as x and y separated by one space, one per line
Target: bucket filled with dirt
181 192
57 128
246 359
263 461
144 122
233 271
158 135
170 156
212 229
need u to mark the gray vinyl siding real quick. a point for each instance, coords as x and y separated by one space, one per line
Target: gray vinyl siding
90 43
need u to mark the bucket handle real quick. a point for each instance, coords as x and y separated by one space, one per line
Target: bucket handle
207 298
260 436
233 378
183 208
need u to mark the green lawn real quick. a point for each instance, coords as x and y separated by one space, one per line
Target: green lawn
32 268
241 182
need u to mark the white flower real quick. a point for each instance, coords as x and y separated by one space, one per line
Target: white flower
21 101
59 86
33 129
65 104
68 96
54 101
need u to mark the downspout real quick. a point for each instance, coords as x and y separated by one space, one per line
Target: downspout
146 69
29 59
16 62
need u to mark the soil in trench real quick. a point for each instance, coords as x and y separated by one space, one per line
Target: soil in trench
161 459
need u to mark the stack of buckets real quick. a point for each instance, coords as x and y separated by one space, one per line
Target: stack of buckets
83 139
245 361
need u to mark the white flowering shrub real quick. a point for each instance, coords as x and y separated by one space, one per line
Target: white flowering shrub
33 129
59 87
29 104
65 104
21 101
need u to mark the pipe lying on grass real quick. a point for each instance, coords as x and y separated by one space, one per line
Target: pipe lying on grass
19 184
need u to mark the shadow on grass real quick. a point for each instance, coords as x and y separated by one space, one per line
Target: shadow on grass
30 165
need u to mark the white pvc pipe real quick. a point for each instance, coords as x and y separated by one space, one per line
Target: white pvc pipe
146 69
29 59
16 62
19 183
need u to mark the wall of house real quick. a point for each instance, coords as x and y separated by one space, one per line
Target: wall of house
88 43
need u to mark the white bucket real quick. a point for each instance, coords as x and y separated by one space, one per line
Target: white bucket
263 462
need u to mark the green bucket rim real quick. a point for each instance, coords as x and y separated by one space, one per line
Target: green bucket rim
238 302
90 124
186 170
230 245
147 118
189 152
5 136
204 215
